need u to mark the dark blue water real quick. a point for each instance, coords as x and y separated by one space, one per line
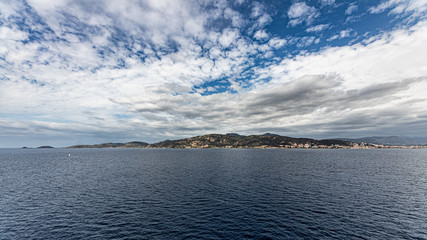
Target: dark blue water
213 194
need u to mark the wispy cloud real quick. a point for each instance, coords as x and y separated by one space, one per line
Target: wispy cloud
416 7
352 7
327 2
342 34
318 28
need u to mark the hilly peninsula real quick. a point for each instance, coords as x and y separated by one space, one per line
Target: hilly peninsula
252 141
231 140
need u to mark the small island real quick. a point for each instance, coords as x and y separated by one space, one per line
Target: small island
45 147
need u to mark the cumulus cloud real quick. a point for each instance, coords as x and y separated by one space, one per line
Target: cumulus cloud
277 42
261 34
260 15
300 12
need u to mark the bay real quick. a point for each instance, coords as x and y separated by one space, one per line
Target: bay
213 194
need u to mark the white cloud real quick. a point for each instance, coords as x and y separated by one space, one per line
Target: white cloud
327 2
277 42
318 28
391 57
263 21
257 9
300 12
261 34
236 19
307 41
240 2
12 34
416 7
342 34
228 37
389 60
353 7
8 8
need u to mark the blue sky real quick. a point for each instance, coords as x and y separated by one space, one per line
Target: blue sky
82 72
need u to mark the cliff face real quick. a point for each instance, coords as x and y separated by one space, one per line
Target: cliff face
253 141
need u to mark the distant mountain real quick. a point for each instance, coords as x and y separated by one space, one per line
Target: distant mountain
252 141
134 144
389 140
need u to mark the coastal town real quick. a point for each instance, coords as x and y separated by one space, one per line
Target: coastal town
337 146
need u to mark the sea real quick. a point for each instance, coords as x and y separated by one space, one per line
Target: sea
213 194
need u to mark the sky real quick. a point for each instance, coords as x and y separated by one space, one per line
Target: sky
85 72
